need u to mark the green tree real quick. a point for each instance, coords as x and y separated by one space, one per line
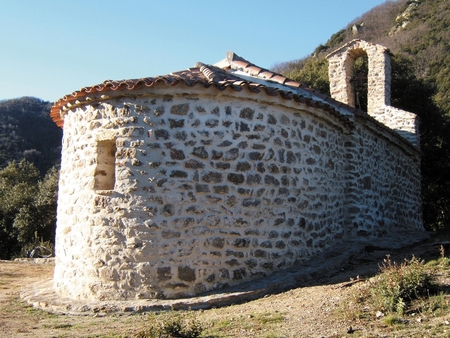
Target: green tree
416 95
18 187
314 74
37 220
27 207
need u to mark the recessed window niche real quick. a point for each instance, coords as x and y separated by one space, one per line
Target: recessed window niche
105 172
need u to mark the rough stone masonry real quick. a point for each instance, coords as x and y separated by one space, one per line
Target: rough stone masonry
177 185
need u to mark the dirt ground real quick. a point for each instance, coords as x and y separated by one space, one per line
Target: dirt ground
308 311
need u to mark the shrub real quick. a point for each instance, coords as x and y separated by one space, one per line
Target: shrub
172 326
37 249
399 284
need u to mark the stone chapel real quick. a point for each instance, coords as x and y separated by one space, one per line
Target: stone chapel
175 185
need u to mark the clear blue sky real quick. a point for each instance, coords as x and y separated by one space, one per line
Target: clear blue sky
49 48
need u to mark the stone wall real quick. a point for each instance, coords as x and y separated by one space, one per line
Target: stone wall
341 73
404 123
341 63
383 183
207 189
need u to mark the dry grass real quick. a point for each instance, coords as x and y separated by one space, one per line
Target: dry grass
330 308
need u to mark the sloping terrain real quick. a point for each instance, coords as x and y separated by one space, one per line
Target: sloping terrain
318 309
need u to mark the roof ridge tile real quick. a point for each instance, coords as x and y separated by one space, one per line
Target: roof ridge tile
207 75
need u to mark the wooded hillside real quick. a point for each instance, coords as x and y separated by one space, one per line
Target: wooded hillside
28 132
30 150
417 34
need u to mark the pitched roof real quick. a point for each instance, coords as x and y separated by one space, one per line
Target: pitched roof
234 72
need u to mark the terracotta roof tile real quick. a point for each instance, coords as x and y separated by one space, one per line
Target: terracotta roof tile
253 70
286 95
292 83
241 64
221 79
271 91
205 75
266 74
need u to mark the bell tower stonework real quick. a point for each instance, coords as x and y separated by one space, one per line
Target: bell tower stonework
340 71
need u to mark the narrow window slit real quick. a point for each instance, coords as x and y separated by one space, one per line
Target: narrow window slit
105 172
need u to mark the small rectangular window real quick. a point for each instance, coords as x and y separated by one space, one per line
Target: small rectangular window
105 172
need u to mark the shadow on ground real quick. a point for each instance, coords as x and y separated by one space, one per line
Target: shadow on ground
344 261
